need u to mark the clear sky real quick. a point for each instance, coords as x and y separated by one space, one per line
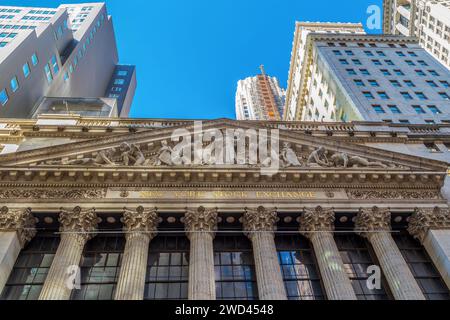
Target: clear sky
191 53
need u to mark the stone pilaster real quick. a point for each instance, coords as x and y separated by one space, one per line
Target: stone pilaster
17 227
375 225
260 226
318 226
140 226
200 226
76 227
432 228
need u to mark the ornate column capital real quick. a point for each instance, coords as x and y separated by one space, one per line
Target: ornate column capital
141 221
200 220
82 222
259 219
372 220
316 219
423 220
19 220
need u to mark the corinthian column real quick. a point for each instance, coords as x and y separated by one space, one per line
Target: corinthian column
259 227
375 225
140 227
432 228
318 226
76 227
201 225
16 229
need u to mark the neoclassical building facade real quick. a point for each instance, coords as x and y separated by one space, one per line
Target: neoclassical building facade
103 212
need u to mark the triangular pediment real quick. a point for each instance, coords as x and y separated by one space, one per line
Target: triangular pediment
154 148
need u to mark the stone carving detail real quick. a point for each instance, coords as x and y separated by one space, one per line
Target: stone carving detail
423 220
141 221
52 193
319 158
372 220
316 219
163 155
125 155
20 220
392 194
201 220
260 219
82 222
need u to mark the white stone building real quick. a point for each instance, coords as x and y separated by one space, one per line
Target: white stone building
426 19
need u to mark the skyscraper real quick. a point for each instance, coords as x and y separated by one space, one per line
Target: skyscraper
299 63
349 77
52 52
428 20
259 98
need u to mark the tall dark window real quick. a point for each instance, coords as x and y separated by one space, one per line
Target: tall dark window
425 273
167 268
31 268
298 266
100 266
357 258
234 268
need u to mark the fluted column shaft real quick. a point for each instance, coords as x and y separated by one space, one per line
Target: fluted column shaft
259 226
201 267
374 224
201 225
56 286
76 228
318 224
140 226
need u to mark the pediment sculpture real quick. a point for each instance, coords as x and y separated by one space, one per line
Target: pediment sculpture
164 153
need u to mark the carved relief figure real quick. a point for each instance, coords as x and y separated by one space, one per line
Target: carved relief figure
319 158
344 160
289 156
164 154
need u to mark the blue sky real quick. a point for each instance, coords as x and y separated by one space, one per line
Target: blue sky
191 53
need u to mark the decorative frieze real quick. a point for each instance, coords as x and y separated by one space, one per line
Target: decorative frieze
52 193
393 194
19 220
423 220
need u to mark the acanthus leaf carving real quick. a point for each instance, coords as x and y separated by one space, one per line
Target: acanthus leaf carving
392 194
371 220
259 220
201 220
78 222
141 221
424 219
316 220
19 220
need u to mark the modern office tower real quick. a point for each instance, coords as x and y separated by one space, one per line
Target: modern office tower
68 53
428 20
298 64
371 78
259 98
